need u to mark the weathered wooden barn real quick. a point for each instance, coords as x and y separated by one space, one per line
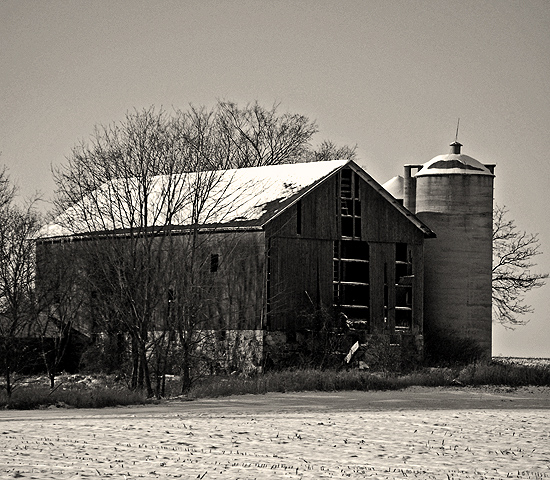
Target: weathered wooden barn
296 249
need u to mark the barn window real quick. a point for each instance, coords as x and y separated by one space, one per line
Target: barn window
350 204
351 282
214 262
403 287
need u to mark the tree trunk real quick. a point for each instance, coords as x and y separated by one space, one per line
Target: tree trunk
135 365
144 372
141 371
186 369
9 387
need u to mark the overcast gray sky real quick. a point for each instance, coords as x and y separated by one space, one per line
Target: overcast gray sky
392 77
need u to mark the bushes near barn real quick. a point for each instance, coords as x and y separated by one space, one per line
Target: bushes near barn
108 390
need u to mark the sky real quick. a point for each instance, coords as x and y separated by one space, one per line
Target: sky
392 77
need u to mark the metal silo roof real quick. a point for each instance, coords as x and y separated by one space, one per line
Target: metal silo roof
395 187
453 164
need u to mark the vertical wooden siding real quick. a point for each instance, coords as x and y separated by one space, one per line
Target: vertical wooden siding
382 222
383 226
234 294
300 281
303 262
318 215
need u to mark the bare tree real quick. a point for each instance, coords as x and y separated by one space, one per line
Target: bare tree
253 136
7 190
59 303
125 195
133 200
120 192
328 150
513 254
18 226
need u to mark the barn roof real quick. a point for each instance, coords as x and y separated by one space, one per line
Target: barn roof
235 197
245 198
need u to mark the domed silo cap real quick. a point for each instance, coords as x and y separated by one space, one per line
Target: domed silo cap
454 163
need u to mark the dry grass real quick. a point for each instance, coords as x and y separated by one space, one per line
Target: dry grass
485 373
103 391
74 391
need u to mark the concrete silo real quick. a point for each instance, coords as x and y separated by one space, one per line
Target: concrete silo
453 195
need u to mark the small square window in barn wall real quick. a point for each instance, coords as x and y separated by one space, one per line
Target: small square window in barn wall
214 262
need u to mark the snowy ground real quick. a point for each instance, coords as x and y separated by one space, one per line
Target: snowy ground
416 433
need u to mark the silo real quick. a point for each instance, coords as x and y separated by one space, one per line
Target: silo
454 197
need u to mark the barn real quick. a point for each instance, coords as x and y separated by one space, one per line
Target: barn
290 255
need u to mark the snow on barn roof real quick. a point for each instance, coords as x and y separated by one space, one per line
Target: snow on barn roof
243 197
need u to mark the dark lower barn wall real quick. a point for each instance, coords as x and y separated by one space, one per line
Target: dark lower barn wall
32 355
222 273
299 283
213 282
391 279
235 274
306 326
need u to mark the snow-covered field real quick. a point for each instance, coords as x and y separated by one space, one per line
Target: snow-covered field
528 361
418 433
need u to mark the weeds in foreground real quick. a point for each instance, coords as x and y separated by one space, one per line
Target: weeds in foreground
99 395
104 392
506 374
475 374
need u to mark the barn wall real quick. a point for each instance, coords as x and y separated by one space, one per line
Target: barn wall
302 268
300 281
381 268
319 215
418 296
382 222
383 226
238 286
384 279
233 295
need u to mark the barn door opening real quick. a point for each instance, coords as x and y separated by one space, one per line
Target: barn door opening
352 282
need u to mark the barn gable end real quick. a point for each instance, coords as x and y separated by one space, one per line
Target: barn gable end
346 256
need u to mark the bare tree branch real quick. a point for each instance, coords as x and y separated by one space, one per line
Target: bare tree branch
328 150
124 192
512 275
18 226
